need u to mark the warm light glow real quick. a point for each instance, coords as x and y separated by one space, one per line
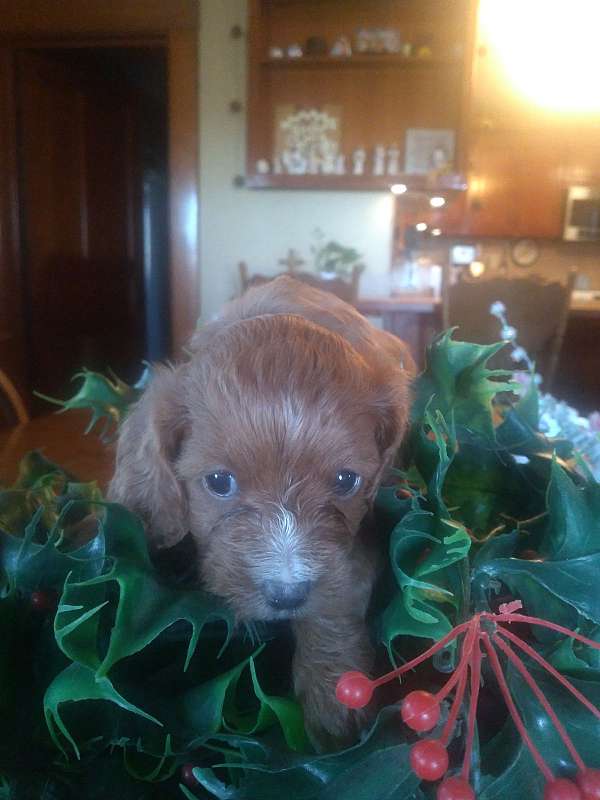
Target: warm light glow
421 226
437 202
477 268
398 188
548 49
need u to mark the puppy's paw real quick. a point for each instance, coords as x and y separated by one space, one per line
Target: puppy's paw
329 724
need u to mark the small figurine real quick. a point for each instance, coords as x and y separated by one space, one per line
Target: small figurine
262 166
314 162
294 51
358 161
294 162
275 52
341 48
379 160
340 165
393 155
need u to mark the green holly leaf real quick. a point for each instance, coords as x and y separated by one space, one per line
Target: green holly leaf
378 767
574 517
108 398
422 548
457 383
143 608
75 684
212 706
28 565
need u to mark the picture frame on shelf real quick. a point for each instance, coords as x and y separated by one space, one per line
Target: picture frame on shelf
307 140
429 150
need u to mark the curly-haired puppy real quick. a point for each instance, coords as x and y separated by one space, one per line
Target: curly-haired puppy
268 445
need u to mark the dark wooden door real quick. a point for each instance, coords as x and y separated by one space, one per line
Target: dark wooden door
80 206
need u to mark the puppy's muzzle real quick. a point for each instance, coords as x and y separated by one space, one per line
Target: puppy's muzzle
286 596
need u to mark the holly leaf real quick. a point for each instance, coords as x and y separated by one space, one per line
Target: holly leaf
75 684
142 609
422 548
378 767
574 514
457 382
108 398
208 708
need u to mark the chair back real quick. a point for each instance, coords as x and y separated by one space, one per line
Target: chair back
345 289
12 408
537 308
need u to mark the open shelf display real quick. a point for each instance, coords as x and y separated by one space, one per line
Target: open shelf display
376 113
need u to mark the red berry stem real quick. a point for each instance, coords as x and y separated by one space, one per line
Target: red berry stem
541 697
455 708
424 656
475 665
549 668
510 704
543 623
467 649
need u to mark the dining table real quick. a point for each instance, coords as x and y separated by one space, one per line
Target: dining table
61 439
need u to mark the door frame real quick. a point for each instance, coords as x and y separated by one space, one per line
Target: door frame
142 23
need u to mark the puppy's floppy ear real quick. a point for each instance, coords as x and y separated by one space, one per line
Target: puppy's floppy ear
145 479
392 409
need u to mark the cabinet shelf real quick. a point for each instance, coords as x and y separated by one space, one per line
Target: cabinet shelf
370 61
415 183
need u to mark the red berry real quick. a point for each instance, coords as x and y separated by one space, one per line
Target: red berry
187 776
44 600
403 494
561 789
354 689
429 760
455 789
420 711
589 784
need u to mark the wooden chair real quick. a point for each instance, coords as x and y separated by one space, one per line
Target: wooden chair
537 308
12 407
346 290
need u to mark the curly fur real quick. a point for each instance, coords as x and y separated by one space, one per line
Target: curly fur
287 387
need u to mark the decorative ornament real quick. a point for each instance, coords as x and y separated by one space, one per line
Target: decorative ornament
294 51
262 166
379 160
484 635
341 48
358 161
393 156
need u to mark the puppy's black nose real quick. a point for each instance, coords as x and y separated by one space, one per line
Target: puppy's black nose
286 596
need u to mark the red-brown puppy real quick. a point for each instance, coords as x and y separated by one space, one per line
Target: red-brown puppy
269 445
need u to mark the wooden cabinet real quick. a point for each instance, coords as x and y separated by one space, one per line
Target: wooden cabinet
516 185
379 96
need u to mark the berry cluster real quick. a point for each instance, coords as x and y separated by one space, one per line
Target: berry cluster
421 710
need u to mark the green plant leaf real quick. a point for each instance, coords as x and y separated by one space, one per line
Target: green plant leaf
574 514
143 608
74 684
457 382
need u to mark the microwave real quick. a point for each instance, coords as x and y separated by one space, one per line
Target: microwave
582 214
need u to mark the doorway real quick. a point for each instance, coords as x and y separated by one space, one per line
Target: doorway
92 133
64 62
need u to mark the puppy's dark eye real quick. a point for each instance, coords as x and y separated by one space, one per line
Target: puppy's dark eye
221 483
346 482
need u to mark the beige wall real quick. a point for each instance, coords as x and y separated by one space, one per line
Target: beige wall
260 226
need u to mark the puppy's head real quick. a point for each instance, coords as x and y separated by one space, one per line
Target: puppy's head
268 446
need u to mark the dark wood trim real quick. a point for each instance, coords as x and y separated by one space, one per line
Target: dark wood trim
96 17
183 184
172 24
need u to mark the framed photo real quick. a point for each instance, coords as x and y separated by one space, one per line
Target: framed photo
428 150
307 140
